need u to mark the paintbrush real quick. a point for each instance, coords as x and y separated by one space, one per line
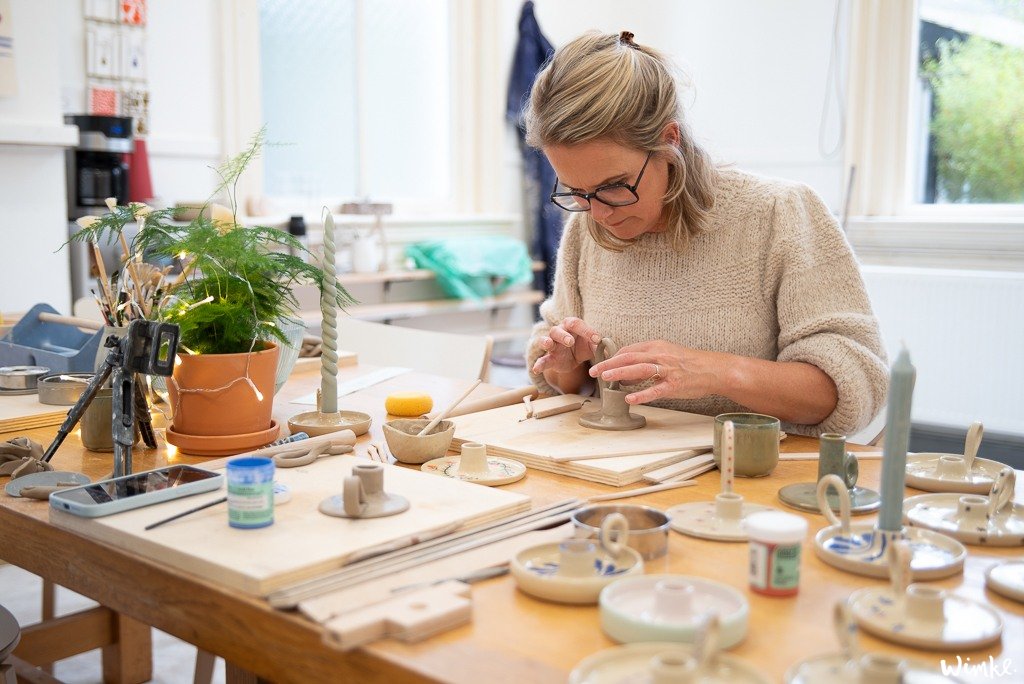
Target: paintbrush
190 511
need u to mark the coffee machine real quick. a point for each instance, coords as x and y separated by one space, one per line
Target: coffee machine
96 168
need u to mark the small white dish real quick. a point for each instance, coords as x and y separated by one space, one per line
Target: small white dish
474 465
992 520
672 608
934 472
661 662
1007 579
718 520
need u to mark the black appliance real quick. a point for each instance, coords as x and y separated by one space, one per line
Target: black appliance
96 168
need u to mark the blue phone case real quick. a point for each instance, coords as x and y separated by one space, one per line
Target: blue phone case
60 500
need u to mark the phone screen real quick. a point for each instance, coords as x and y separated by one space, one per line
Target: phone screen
133 485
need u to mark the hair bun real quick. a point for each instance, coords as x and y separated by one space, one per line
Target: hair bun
626 38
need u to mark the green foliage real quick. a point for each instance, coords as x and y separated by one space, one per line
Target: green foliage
979 120
236 285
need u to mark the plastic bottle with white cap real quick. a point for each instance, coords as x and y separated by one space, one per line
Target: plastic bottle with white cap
775 542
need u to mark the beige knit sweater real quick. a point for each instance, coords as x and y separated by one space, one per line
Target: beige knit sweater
772 277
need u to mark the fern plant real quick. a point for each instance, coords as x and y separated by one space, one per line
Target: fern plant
236 281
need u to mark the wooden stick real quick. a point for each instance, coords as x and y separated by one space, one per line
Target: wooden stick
513 396
441 416
643 490
813 456
104 282
86 323
129 265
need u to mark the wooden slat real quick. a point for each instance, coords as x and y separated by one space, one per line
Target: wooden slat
63 637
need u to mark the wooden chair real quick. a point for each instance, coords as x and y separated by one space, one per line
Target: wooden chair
453 355
873 433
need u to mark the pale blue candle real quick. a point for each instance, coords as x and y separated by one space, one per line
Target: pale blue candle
897 440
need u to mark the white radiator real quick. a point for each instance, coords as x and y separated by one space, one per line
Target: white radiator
965 333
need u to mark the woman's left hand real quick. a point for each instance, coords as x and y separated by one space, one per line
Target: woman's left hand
678 372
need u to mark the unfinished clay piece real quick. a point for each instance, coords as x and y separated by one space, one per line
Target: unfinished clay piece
315 423
614 413
45 479
409 447
923 616
993 520
363 495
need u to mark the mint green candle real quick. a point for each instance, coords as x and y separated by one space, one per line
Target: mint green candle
897 440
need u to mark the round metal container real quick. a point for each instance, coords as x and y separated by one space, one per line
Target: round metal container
21 377
648 527
60 390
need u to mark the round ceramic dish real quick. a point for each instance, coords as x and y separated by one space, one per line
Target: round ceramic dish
408 447
938 473
49 478
61 390
863 551
839 669
1007 578
500 471
804 496
19 378
963 517
957 623
648 527
671 608
704 519
536 571
314 423
633 664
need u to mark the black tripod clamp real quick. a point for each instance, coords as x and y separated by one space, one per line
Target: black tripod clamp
149 348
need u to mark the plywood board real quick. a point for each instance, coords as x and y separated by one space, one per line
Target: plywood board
24 412
302 543
561 438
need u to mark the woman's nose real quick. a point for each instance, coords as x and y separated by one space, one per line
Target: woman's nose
600 211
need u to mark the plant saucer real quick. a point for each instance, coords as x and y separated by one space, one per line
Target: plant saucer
924 471
500 471
1007 579
960 623
841 669
672 608
701 519
863 550
47 478
222 445
536 571
315 423
803 496
951 514
633 663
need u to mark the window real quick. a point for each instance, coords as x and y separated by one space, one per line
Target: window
358 97
967 104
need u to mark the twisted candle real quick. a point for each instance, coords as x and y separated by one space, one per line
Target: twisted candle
329 327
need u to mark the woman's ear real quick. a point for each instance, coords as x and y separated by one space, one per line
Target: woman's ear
671 133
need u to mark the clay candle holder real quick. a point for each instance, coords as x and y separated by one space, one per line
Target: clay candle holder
833 459
474 465
721 519
965 473
614 413
364 496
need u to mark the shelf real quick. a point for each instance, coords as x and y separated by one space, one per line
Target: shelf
383 277
431 307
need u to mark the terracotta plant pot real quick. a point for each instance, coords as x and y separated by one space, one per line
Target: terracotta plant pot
225 404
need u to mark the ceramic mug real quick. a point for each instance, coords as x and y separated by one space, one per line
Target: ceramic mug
757 443
834 459
97 423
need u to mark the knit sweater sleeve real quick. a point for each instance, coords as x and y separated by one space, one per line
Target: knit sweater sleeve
565 300
824 314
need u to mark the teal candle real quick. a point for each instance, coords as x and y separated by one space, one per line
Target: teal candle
897 440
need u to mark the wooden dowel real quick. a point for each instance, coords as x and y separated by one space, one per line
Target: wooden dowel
101 269
85 323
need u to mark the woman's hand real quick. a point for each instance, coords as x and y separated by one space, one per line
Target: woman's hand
678 372
567 345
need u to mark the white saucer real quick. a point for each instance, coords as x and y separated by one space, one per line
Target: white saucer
672 608
536 573
632 664
1007 579
865 551
942 513
699 519
965 624
839 669
922 473
500 471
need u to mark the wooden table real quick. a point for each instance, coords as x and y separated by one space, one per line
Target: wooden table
513 638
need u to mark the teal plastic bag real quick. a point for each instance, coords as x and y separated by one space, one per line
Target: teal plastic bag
474 267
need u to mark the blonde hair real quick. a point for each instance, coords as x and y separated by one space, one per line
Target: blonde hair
607 86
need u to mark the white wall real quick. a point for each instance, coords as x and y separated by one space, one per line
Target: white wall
758 72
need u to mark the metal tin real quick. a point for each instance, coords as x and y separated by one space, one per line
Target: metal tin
648 527
61 389
21 377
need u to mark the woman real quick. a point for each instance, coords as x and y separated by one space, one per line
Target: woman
726 291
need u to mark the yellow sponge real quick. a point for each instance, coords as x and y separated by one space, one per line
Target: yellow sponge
408 404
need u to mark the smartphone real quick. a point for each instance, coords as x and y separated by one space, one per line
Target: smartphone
134 491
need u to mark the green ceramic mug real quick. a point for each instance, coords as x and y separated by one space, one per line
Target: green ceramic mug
757 443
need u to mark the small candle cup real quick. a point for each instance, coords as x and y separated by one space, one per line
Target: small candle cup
674 667
876 668
577 558
972 507
728 505
952 467
674 599
473 460
925 603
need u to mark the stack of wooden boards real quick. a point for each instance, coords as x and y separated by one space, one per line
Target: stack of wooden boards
559 444
19 413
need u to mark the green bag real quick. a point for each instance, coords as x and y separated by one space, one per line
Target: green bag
474 267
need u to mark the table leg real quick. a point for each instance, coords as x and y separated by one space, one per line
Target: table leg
235 674
49 613
129 660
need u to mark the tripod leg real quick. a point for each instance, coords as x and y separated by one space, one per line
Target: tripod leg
123 420
142 417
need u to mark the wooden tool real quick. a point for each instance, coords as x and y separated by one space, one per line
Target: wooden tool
509 398
441 416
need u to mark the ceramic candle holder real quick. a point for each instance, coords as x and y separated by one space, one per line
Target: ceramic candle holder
577 558
757 443
474 465
614 413
952 467
474 459
363 495
833 459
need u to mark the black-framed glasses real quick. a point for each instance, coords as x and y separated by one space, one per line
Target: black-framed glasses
613 194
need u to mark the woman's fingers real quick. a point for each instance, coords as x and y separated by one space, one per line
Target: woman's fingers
656 391
579 328
619 361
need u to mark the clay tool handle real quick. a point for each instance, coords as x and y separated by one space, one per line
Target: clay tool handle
86 323
42 492
190 511
642 490
340 437
555 410
972 443
513 396
444 414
